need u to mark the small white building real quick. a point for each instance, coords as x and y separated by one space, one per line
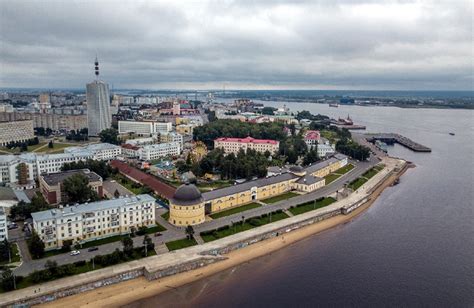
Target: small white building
156 151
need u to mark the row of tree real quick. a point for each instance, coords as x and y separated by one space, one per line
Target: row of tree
79 135
41 131
23 210
100 167
352 149
23 145
243 165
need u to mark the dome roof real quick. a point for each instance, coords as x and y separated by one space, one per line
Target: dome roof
187 194
296 169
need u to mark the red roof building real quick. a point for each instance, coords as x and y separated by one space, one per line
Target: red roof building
159 187
234 145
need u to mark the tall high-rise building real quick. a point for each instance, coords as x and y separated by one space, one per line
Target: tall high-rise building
98 105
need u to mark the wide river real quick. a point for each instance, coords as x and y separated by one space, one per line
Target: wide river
413 247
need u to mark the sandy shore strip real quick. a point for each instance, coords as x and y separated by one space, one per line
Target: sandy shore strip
129 291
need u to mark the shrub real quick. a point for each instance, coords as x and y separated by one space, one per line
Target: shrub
254 222
279 211
79 263
99 259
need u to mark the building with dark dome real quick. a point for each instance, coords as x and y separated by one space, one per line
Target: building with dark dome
297 170
187 206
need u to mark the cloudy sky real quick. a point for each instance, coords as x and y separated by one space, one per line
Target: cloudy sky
333 44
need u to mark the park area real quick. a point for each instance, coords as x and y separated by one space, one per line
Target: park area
281 197
354 185
311 206
180 244
241 226
235 210
338 173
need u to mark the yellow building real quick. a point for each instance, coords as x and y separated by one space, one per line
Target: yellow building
187 206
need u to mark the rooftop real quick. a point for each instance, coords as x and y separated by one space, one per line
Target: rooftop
226 191
90 207
158 186
247 140
55 178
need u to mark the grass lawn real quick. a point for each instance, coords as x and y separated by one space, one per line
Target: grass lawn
310 206
203 187
105 240
331 177
357 183
166 215
281 197
330 135
14 254
135 188
157 228
250 223
344 169
235 210
57 148
179 244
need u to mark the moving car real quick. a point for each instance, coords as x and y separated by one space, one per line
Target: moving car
75 252
93 249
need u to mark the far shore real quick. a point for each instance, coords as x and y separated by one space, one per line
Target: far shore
140 288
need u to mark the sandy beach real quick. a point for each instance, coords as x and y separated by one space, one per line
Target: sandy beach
140 288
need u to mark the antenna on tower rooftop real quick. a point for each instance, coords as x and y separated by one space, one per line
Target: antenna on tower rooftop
96 63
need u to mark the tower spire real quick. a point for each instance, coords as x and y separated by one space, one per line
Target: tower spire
96 67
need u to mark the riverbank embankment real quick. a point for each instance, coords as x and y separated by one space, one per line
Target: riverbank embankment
150 276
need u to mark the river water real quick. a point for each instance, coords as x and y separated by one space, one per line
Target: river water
413 247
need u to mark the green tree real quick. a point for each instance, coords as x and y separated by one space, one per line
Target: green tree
148 244
268 110
50 144
189 232
8 283
311 157
5 250
116 193
36 246
109 135
52 267
127 243
78 190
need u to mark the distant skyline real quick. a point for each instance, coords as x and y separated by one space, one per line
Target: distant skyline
320 45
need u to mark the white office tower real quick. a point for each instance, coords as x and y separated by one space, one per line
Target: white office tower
98 105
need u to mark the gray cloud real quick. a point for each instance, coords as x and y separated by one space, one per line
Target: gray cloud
242 44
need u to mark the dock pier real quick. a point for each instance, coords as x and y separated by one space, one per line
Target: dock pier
391 138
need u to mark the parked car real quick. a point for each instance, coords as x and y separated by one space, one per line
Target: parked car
158 234
13 225
93 249
75 252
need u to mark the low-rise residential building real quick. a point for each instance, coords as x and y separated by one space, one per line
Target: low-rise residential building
185 129
51 185
90 221
3 225
171 137
325 149
234 145
21 170
100 151
156 151
151 151
16 131
144 128
311 138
